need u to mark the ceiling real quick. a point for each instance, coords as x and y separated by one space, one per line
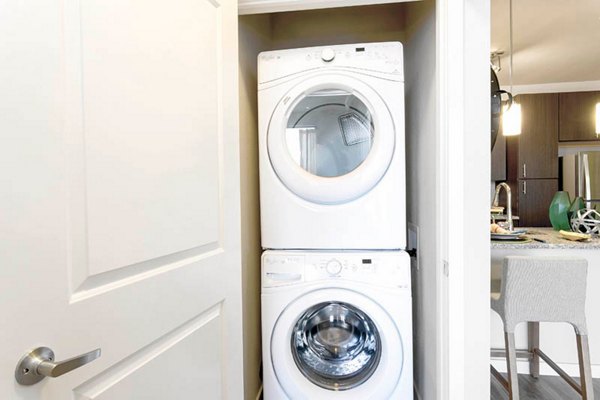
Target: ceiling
553 40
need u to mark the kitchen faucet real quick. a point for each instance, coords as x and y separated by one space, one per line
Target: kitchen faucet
508 201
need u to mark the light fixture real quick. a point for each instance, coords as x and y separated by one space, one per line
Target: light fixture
597 119
511 120
511 117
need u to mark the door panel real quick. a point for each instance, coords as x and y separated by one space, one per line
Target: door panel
121 185
147 105
194 348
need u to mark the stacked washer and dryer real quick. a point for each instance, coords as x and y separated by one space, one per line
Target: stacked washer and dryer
336 285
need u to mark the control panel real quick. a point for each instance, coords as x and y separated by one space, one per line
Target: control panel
289 268
385 58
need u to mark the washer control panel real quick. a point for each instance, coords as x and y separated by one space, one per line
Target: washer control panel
377 267
334 267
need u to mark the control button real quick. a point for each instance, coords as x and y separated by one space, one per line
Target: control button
334 267
327 55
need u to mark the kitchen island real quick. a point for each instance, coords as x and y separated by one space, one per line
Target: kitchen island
556 339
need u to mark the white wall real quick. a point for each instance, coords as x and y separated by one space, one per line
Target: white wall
254 35
476 206
463 34
556 339
422 167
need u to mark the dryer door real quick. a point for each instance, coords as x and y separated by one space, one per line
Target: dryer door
334 340
331 139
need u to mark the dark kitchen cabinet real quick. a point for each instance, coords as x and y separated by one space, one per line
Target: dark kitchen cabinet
577 118
536 155
534 198
532 159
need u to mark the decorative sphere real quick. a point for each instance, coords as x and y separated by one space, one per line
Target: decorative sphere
586 221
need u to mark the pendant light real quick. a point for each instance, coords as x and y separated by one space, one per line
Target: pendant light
511 118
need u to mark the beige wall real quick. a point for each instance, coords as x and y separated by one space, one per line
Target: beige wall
338 26
254 33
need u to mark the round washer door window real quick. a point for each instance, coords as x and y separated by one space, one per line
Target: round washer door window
331 139
335 340
336 346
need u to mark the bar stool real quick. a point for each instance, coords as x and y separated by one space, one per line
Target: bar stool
542 289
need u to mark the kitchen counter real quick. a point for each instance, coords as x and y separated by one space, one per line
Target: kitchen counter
552 238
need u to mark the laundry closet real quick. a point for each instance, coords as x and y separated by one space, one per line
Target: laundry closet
412 24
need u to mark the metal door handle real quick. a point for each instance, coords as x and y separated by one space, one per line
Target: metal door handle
39 363
524 187
524 170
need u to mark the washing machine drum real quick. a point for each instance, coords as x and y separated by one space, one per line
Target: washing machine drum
331 139
336 346
336 340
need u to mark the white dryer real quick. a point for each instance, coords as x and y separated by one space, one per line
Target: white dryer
331 145
336 325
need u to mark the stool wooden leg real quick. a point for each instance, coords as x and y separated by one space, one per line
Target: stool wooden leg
585 368
533 332
511 364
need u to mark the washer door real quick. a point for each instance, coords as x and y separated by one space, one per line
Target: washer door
331 139
335 341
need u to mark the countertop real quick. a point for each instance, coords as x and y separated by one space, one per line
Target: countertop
552 238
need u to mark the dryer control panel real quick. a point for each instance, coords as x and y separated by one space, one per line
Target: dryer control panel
375 267
384 58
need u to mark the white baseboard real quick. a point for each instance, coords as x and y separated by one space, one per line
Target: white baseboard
523 368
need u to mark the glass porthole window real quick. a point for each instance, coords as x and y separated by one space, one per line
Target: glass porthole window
336 346
329 132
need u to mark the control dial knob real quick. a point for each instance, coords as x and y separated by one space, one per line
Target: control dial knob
327 55
333 267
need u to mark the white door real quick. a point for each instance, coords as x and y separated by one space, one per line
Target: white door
119 197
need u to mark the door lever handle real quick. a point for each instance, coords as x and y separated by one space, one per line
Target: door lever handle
39 363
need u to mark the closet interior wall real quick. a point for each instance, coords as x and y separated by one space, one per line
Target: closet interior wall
413 24
254 37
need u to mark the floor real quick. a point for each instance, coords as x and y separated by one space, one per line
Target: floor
544 388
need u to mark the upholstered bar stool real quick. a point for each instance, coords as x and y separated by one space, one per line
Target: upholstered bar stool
542 289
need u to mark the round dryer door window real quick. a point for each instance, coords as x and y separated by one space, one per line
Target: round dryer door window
331 138
329 133
336 346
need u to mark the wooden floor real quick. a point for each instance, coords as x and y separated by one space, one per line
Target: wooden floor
544 388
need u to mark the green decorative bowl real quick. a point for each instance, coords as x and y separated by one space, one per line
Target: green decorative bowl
576 205
559 211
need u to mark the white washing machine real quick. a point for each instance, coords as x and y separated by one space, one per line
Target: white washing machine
336 325
331 145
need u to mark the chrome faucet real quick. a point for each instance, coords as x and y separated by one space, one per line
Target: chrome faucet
508 205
